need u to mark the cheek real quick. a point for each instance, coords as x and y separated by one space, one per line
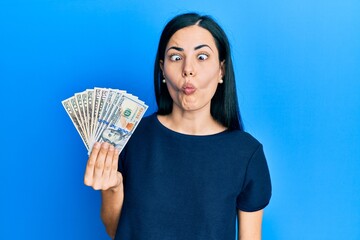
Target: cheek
172 88
173 78
172 72
210 79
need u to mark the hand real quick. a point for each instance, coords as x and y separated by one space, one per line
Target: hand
101 170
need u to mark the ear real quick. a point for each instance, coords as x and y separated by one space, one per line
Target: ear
161 64
222 69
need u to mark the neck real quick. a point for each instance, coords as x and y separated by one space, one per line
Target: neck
198 122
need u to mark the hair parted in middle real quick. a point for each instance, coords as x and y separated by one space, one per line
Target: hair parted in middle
224 104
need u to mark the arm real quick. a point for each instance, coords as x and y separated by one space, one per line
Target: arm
250 225
102 174
112 201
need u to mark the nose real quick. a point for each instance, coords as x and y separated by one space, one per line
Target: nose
188 73
188 70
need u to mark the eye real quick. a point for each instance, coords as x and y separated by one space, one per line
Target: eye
203 56
175 57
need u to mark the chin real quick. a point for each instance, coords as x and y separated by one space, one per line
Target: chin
193 108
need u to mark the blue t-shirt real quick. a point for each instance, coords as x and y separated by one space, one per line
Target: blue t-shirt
184 187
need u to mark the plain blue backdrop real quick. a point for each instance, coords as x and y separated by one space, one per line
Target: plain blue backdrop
298 81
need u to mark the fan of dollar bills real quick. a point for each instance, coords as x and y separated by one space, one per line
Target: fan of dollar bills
104 115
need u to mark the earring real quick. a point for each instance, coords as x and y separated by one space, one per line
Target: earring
164 81
221 81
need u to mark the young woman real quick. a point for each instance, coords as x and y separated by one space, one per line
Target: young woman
189 170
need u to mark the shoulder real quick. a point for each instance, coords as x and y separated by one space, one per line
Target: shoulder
237 145
243 139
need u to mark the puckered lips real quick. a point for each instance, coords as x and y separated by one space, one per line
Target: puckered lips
188 89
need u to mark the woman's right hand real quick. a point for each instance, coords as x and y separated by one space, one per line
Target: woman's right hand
102 168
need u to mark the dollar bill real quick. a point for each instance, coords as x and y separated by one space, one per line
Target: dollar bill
69 109
123 122
105 115
109 98
81 112
75 107
84 97
90 93
109 110
97 97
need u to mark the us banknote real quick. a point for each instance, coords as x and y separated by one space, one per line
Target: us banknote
105 115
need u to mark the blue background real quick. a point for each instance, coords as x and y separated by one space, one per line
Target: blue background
298 81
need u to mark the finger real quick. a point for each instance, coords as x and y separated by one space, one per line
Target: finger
99 165
115 160
114 164
89 171
119 178
107 167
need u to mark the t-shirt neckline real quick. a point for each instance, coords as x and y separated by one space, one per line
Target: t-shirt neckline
170 131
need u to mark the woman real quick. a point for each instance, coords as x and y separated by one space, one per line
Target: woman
189 170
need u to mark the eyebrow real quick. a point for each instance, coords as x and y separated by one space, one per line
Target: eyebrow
195 48
201 46
176 48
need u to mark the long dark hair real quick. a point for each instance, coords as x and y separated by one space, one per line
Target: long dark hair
224 105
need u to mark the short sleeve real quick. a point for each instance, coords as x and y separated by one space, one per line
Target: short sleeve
256 191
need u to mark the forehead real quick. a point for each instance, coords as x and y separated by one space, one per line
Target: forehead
192 36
